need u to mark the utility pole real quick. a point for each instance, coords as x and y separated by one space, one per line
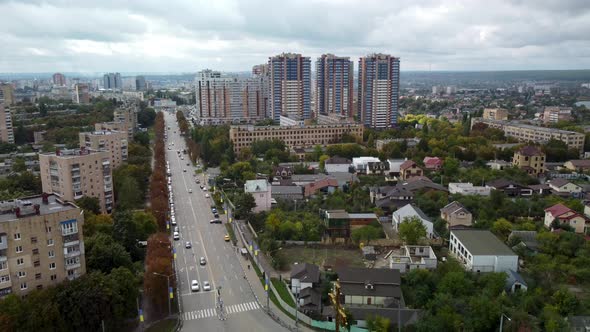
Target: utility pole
335 299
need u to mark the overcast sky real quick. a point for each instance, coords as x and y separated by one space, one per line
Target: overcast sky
189 35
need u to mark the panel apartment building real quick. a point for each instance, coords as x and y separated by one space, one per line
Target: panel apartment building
41 244
536 134
378 90
6 131
294 137
115 142
290 86
228 99
72 174
334 85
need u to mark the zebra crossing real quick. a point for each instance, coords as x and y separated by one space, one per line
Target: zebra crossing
232 309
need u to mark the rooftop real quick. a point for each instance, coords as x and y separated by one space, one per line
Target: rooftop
306 272
286 190
530 150
27 207
384 282
252 186
481 242
532 127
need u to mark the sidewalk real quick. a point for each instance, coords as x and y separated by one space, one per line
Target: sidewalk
260 293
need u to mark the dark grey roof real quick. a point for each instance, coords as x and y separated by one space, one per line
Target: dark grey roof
385 282
306 272
286 190
311 298
453 207
54 205
338 160
482 242
406 316
514 277
422 183
501 183
529 238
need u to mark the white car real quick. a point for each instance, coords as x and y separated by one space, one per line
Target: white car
176 236
190 191
206 286
195 286
206 195
188 245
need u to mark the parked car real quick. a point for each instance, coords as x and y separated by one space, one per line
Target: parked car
195 286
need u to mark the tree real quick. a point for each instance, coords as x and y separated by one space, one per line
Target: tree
502 228
323 159
145 223
244 203
450 166
411 230
146 117
365 234
89 204
104 254
19 165
128 193
142 137
97 223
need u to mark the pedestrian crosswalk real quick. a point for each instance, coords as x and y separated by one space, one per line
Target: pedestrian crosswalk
231 309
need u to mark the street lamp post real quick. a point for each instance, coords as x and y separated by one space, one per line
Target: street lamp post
167 291
502 321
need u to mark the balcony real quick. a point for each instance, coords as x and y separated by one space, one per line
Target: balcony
72 254
73 276
73 266
71 239
54 172
3 242
75 169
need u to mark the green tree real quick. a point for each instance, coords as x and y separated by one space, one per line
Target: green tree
365 234
502 228
378 324
244 203
128 193
146 224
142 138
103 253
97 223
19 165
146 117
411 230
89 204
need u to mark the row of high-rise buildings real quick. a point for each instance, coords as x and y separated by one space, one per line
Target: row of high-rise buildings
282 88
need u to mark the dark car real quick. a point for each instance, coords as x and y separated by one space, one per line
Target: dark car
216 215
215 221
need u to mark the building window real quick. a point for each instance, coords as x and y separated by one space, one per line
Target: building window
17 236
69 228
51 253
49 242
3 265
54 277
36 263
19 249
20 261
34 239
52 266
35 251
38 276
22 274
48 229
5 278
23 286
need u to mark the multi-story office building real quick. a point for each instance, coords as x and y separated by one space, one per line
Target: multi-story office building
293 136
82 93
41 244
140 84
554 114
7 93
290 86
115 142
59 79
228 99
73 174
495 114
6 131
112 81
378 90
536 134
334 85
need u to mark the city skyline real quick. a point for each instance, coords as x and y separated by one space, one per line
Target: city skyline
233 36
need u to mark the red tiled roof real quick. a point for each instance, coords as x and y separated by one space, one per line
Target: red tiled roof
312 187
557 210
432 161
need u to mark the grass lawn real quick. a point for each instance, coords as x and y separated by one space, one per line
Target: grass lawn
283 291
166 325
334 258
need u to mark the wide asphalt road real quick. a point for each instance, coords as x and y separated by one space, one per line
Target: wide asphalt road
241 310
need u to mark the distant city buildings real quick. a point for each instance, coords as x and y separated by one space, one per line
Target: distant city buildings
41 244
536 134
334 85
7 94
140 84
82 94
59 79
112 81
73 174
495 114
6 130
290 86
378 90
554 114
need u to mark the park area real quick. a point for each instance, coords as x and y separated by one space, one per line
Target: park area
323 257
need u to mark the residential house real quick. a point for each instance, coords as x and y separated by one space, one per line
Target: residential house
326 186
563 187
339 223
409 169
310 301
498 165
580 166
564 215
540 189
394 167
304 275
530 159
421 183
343 179
433 163
510 188
289 193
369 165
525 239
261 190
390 198
515 282
481 251
337 164
455 214
375 292
413 257
579 323
468 188
410 211
283 172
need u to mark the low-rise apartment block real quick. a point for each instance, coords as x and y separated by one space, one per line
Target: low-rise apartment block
530 133
115 142
41 243
308 136
72 174
554 114
495 114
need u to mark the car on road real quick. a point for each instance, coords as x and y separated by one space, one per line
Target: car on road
173 221
184 170
197 181
215 221
169 148
205 189
188 245
226 238
216 215
176 236
188 164
190 191
206 195
202 261
201 186
206 286
195 286
214 210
